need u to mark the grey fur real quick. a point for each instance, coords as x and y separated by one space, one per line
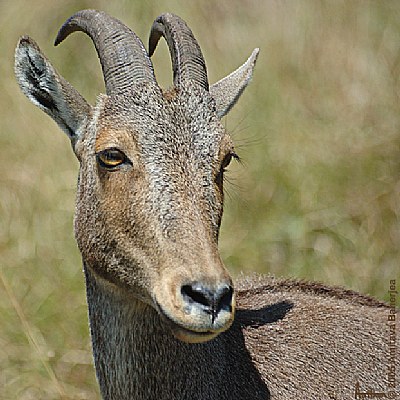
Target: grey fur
227 91
149 227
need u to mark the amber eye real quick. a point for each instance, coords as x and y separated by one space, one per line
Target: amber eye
111 158
225 162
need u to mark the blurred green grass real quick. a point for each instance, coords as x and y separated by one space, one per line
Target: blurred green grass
317 196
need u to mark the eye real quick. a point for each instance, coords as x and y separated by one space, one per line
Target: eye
225 162
111 158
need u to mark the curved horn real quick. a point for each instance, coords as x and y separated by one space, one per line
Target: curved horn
122 54
187 58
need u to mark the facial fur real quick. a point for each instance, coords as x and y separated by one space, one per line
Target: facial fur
153 222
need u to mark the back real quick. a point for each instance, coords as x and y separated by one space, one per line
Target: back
309 341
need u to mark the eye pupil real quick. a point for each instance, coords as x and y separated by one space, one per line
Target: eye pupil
111 158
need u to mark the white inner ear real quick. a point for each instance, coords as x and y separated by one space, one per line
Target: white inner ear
30 69
45 88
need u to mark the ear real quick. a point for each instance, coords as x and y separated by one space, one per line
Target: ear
44 87
227 91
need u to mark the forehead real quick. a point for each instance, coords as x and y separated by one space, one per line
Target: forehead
175 120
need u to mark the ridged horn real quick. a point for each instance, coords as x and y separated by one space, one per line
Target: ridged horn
122 55
187 59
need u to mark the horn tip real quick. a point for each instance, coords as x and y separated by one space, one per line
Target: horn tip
157 30
72 23
64 31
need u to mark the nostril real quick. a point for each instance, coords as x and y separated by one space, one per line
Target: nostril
224 298
196 294
210 301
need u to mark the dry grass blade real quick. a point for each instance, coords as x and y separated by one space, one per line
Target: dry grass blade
30 336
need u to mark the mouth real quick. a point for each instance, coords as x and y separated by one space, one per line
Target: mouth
188 335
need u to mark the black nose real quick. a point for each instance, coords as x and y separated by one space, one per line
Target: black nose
211 301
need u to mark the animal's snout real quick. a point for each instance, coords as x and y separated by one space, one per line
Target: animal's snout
196 300
208 300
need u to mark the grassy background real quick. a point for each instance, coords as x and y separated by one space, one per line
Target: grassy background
317 196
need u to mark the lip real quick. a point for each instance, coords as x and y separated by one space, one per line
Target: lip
188 335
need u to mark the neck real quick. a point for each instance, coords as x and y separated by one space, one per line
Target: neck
136 357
